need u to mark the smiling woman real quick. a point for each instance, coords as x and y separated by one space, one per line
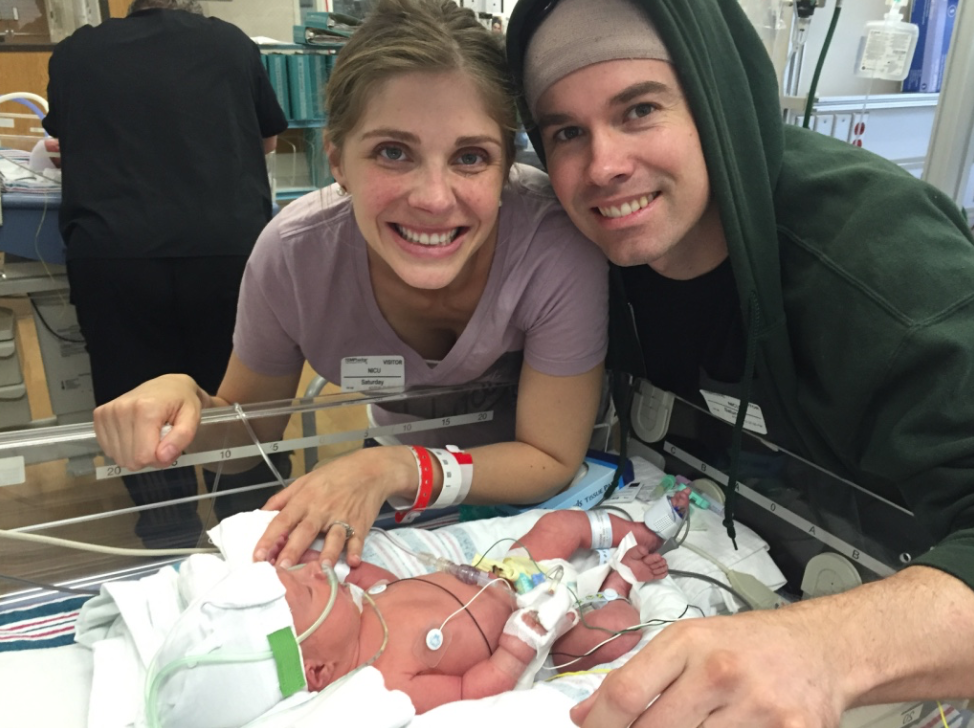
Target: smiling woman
432 255
425 180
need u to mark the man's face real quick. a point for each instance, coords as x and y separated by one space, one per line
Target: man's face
625 160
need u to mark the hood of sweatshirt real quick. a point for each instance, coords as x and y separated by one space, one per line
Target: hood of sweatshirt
732 90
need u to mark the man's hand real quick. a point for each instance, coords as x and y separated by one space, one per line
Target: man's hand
753 670
904 637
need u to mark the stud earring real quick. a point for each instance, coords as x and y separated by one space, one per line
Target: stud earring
342 192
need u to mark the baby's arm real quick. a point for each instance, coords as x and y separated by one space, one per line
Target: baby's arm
559 534
497 674
526 639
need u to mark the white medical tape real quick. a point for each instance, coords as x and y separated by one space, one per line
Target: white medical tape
356 594
555 617
662 519
616 561
601 529
517 628
554 611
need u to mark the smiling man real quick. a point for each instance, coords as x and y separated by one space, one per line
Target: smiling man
778 267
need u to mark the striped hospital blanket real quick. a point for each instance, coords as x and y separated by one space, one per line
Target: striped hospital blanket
44 625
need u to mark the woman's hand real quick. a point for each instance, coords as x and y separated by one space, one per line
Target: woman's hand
349 490
128 428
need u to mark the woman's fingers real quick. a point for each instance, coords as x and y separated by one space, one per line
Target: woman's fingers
272 542
281 498
184 422
129 427
334 544
299 539
353 548
346 492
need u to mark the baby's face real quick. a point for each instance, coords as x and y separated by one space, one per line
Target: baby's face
307 591
332 650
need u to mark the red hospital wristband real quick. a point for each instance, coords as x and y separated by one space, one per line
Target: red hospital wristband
425 491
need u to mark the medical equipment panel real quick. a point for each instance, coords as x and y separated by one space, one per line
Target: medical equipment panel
802 510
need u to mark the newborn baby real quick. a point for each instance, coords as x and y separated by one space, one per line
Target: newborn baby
447 640
477 658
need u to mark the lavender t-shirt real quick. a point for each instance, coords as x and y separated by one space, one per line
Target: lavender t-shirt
306 294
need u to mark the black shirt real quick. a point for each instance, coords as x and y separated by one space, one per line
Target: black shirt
161 117
688 330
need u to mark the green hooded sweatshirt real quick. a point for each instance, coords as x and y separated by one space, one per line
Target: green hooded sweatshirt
855 280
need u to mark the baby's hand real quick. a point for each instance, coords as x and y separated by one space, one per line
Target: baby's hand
537 631
645 566
681 502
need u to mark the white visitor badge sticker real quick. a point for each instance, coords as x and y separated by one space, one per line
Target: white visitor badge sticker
360 373
726 408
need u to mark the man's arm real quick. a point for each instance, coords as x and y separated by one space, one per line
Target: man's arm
906 637
270 116
52 120
270 144
918 641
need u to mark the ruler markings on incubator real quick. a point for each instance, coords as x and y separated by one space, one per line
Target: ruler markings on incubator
247 451
843 547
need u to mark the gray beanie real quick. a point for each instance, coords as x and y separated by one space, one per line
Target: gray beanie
579 33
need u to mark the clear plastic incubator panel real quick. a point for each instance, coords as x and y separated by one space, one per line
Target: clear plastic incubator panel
56 482
801 510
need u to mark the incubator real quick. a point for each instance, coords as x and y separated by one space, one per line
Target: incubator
824 533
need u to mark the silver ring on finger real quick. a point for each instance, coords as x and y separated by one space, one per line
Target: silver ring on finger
349 528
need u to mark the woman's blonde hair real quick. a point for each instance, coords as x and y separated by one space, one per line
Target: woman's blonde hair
403 36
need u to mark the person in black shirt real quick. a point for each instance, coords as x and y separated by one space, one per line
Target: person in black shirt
163 119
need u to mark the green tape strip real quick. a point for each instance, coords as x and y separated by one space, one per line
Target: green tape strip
287 657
